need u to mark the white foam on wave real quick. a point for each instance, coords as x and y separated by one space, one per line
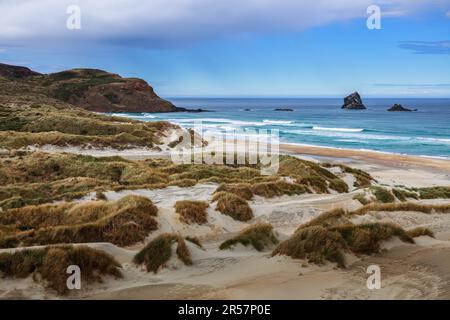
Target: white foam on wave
277 122
337 129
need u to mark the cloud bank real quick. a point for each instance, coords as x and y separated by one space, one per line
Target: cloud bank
175 22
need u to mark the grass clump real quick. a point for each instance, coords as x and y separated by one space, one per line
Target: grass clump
434 193
243 190
310 174
192 211
158 252
315 243
420 231
383 194
403 195
277 188
338 185
331 234
366 238
404 206
233 206
194 240
328 219
361 197
258 236
50 264
122 222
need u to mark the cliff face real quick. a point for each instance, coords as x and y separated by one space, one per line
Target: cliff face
91 89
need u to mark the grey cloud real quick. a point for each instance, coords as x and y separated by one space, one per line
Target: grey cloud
168 22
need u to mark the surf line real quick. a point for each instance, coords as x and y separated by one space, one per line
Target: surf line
189 310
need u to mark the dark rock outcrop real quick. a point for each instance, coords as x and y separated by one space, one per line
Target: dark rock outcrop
399 107
353 102
284 109
16 72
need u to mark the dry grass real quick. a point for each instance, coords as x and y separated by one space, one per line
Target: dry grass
183 251
158 252
268 189
38 177
434 193
331 234
56 123
328 219
313 175
233 206
403 195
363 179
122 222
420 231
404 206
383 194
192 211
361 197
194 240
243 190
51 264
258 236
316 243
366 238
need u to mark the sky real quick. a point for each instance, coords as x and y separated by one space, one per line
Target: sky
240 48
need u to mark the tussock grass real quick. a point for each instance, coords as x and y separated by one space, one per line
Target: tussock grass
276 189
61 124
366 238
315 243
122 222
328 219
183 251
243 190
420 231
267 189
403 195
434 193
233 206
361 197
194 240
38 177
50 264
363 179
331 234
192 211
158 252
312 175
404 206
258 236
383 194
338 185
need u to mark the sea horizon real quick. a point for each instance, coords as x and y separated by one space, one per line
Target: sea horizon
321 122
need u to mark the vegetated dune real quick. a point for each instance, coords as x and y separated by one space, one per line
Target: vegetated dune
49 265
122 222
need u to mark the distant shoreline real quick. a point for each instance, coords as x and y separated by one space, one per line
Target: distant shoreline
370 156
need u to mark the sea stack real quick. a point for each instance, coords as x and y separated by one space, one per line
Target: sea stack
353 102
399 107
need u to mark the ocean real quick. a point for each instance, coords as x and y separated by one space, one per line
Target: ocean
322 122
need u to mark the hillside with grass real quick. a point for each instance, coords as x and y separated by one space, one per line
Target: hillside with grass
91 89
